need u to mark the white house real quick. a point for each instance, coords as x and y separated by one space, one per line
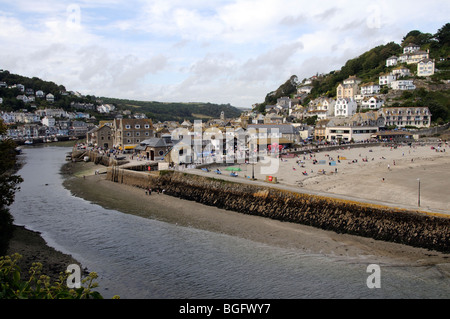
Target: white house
1 100
8 117
410 48
425 67
48 121
50 98
369 88
414 57
304 89
386 78
392 61
40 94
372 102
401 71
403 85
345 107
323 107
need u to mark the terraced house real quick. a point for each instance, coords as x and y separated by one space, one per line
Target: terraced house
407 116
129 133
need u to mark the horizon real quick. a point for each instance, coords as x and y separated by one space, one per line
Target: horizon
226 52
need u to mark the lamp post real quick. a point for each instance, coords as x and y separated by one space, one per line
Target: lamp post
418 196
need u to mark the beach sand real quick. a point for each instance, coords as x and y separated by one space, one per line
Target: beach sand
132 200
389 175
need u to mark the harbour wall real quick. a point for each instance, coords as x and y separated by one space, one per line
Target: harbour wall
413 228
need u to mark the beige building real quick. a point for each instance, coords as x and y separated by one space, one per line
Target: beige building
349 88
407 116
100 136
425 67
129 133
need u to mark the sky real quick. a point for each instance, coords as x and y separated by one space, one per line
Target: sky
220 51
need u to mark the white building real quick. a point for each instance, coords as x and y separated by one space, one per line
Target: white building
401 71
403 85
392 61
345 107
48 121
323 107
50 98
373 103
349 133
369 89
386 79
415 57
410 48
425 67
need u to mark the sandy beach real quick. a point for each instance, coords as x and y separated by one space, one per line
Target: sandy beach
385 174
162 207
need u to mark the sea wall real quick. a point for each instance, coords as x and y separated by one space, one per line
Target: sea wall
378 222
97 158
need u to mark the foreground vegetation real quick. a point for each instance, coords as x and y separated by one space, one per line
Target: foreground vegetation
13 285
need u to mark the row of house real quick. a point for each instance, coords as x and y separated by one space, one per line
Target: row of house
413 55
155 140
25 117
49 128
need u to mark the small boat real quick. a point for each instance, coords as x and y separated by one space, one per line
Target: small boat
29 142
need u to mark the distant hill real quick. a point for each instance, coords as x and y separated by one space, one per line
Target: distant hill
175 111
157 111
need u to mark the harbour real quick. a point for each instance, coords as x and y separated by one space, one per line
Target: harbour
159 247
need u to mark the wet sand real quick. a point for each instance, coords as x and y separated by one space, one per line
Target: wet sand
310 240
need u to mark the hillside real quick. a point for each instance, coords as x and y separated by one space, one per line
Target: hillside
368 66
175 111
157 111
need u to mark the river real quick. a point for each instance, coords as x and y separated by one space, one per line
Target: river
138 257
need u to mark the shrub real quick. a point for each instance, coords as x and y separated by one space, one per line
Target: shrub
38 285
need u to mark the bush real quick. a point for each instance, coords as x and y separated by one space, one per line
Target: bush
38 286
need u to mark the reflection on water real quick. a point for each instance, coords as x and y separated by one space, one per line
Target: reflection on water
144 258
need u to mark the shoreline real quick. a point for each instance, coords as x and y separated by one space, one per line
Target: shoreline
310 240
33 248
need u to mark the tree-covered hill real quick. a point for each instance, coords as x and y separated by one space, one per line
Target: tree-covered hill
158 111
370 64
175 111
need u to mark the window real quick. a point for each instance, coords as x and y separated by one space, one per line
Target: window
138 134
147 126
137 126
127 127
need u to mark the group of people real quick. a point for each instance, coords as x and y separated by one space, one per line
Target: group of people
157 191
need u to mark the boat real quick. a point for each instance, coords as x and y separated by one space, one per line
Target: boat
28 142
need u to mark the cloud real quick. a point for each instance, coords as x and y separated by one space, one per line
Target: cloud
225 51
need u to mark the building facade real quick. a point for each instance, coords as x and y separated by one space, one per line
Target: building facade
129 133
406 116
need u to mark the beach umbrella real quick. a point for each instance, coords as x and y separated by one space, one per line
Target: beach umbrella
234 169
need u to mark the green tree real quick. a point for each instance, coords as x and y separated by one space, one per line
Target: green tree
8 186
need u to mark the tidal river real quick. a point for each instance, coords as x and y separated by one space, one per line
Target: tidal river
139 257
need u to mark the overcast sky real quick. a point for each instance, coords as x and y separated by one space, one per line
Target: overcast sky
198 50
